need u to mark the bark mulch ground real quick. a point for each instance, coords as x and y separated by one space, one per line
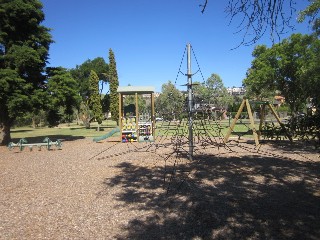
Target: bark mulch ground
112 190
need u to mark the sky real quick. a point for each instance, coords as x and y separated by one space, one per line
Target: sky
149 38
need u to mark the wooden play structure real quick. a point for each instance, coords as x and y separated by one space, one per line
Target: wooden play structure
256 133
136 126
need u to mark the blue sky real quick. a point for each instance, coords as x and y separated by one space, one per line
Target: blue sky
149 38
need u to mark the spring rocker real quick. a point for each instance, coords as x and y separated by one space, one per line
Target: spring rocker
47 143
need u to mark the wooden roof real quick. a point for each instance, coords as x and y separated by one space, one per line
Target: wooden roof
136 89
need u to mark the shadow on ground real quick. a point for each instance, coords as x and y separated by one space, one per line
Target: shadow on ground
306 145
222 198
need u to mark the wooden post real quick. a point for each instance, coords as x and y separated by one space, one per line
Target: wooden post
279 121
226 138
262 113
153 119
120 114
255 135
137 115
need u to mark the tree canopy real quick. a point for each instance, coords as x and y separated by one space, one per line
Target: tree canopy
289 67
95 99
213 91
24 46
311 12
114 84
170 103
82 72
62 90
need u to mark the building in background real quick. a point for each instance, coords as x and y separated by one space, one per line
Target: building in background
236 91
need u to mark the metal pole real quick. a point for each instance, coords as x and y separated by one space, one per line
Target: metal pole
190 100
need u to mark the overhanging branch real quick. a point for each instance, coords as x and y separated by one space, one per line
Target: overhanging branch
256 17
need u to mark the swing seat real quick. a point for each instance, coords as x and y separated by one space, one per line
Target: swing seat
276 134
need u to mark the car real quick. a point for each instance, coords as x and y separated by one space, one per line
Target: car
159 119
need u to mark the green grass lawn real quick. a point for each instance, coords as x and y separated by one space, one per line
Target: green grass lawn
75 131
218 128
63 131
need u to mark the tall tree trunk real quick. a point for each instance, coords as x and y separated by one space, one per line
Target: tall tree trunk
34 124
86 120
5 136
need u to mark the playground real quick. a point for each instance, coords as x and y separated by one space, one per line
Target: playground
190 175
150 190
84 154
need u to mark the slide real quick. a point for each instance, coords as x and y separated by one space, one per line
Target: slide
109 134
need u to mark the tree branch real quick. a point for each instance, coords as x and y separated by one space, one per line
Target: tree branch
203 6
256 17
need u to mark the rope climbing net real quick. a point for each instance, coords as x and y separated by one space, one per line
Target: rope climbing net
172 139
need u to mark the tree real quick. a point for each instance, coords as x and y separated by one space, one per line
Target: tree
82 72
291 80
63 92
170 104
312 72
24 45
260 81
312 12
212 91
95 99
199 92
105 102
256 17
114 84
290 67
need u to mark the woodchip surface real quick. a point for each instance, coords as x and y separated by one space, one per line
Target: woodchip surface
112 190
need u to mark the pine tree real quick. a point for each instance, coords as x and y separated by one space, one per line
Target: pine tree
24 49
94 98
114 83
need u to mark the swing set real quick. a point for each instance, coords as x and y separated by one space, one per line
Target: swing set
256 133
